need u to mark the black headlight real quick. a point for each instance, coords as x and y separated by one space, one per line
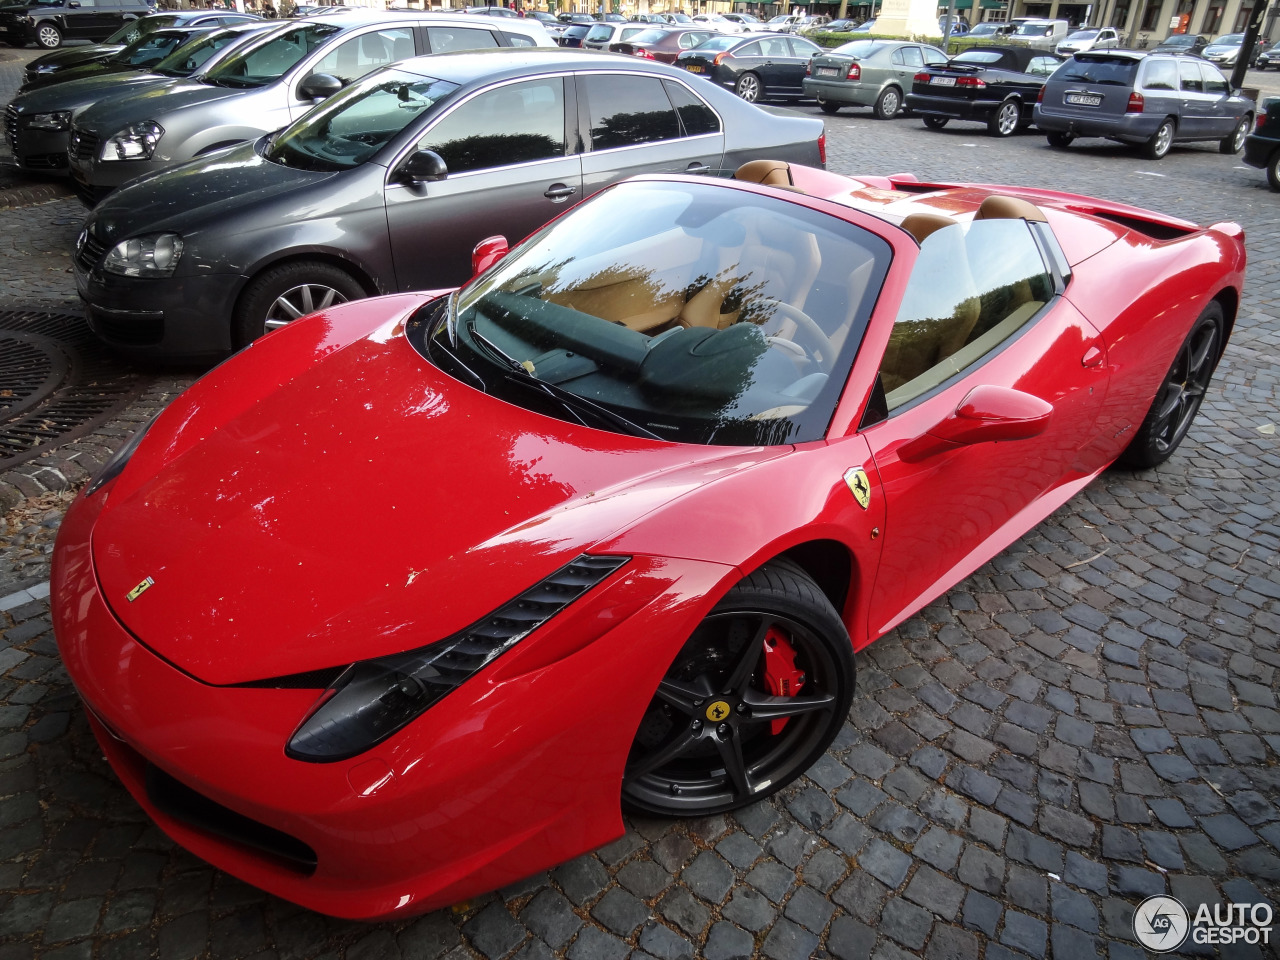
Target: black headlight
373 699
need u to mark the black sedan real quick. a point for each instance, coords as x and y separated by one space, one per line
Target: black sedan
1189 43
752 66
1262 146
145 51
389 185
1269 58
992 85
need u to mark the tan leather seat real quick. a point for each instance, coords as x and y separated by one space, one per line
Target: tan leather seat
769 173
998 207
921 225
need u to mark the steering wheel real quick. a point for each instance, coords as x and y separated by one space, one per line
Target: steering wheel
819 342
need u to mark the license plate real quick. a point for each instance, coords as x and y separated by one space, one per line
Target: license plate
1083 99
693 68
4 29
942 81
828 71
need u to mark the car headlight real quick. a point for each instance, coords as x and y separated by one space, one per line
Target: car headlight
151 255
60 120
118 461
374 699
135 142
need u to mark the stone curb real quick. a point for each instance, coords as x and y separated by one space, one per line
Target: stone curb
13 197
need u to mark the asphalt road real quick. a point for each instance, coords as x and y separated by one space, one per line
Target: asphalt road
1088 720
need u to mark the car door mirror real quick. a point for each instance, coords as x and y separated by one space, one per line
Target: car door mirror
425 166
319 86
987 413
487 252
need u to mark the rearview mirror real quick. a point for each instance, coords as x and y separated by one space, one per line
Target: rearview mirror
319 86
987 413
425 166
487 252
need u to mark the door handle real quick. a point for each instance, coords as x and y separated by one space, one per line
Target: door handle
559 191
1092 358
697 167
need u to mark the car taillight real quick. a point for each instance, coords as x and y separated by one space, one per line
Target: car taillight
641 52
822 147
1040 96
855 72
921 77
808 69
721 57
973 83
1262 119
1136 103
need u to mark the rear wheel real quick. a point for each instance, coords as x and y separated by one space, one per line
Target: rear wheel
752 699
888 103
748 88
1160 142
826 106
1058 138
1235 142
1180 394
1004 121
285 293
1273 171
935 123
48 36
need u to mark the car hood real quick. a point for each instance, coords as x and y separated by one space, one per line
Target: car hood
324 502
82 91
67 56
107 116
188 196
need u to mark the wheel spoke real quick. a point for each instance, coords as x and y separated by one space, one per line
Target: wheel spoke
293 312
677 745
734 764
330 296
1172 400
764 707
1200 357
683 696
304 295
748 658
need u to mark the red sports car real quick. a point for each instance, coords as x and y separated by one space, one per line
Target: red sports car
410 598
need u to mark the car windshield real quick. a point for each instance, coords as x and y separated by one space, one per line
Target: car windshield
347 130
150 48
1104 70
649 36
131 30
266 62
1035 30
860 49
1231 40
1178 42
687 312
977 56
190 57
1083 35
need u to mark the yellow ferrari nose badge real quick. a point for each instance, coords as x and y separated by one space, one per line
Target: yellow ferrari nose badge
859 486
139 590
717 711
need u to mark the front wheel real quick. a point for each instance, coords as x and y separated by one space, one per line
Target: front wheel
829 108
935 123
285 293
1004 121
752 699
1180 394
888 103
48 36
1059 138
1273 171
1235 142
1160 142
749 87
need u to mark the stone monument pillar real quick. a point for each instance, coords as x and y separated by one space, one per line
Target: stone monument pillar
907 18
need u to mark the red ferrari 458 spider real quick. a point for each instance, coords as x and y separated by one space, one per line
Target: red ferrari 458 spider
410 598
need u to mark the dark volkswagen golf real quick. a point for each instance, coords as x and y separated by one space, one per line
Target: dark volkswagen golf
389 185
993 85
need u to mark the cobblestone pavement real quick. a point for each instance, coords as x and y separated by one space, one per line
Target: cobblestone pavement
1089 719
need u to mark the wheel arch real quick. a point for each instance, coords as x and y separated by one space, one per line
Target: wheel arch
357 272
1229 299
829 564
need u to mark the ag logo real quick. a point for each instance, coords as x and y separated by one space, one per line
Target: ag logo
717 711
1160 924
859 486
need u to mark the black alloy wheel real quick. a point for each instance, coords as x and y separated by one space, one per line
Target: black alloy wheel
707 742
1180 394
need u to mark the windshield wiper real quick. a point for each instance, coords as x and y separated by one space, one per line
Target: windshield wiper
571 401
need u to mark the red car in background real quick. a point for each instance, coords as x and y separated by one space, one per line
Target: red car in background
629 501
664 44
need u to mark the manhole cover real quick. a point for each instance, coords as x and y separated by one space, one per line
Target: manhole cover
56 383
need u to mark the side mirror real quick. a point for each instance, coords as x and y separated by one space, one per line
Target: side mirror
425 166
487 252
319 86
987 413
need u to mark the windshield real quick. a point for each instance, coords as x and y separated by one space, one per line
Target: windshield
1231 40
131 30
1178 41
1083 35
150 48
859 49
977 56
347 130
1035 30
190 57
649 36
269 61
689 312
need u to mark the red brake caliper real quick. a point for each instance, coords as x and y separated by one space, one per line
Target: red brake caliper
781 676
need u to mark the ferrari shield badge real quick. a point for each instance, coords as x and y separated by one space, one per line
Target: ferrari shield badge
859 486
139 590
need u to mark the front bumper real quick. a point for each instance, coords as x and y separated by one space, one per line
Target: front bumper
93 177
518 769
1127 128
842 91
37 151
951 107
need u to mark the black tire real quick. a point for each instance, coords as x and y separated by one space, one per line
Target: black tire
1234 142
1161 141
935 123
1059 138
48 36
749 88
1273 171
1004 122
284 293
888 103
1180 394
706 744
827 107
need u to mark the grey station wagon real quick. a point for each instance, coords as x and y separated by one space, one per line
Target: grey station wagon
1153 100
391 184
